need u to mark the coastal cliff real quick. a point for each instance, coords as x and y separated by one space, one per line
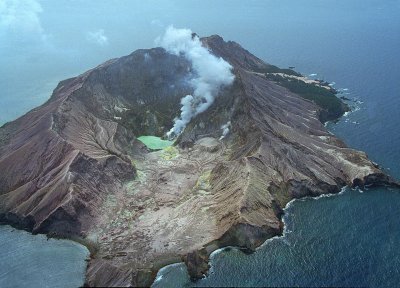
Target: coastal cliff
74 168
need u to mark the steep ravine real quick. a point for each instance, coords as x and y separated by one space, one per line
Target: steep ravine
74 168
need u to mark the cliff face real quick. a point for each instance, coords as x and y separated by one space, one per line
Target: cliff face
73 166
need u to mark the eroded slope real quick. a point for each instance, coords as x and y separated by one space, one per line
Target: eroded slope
73 167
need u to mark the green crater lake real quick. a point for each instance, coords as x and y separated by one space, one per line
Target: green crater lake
154 142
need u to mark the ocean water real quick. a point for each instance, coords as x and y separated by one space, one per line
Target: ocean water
35 261
352 243
351 239
347 240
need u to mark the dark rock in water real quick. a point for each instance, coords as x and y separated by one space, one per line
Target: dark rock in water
197 263
74 167
345 98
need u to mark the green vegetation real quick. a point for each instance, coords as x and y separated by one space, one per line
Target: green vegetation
274 69
325 98
155 143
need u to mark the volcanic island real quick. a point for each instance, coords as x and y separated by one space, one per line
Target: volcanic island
100 162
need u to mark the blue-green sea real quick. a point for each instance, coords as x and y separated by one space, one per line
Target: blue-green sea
351 239
35 261
348 240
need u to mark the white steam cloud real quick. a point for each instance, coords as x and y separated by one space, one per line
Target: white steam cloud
211 74
225 130
20 19
99 37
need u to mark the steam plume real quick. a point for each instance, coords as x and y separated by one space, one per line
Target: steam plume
211 74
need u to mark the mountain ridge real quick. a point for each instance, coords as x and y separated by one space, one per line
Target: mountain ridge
82 172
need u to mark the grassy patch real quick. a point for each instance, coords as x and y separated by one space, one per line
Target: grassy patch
274 69
332 106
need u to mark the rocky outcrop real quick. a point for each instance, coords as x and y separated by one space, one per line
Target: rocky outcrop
73 166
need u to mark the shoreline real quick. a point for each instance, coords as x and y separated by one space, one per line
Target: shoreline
236 198
159 268
68 249
284 232
172 260
219 262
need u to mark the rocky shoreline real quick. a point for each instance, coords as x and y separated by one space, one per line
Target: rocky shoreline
74 168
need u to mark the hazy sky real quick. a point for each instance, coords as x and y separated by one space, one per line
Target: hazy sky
45 41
